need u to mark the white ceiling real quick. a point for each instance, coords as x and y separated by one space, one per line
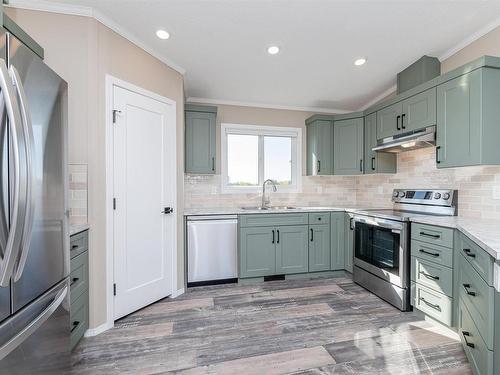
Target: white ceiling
221 44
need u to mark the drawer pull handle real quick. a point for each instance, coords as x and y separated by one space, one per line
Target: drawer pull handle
273 237
429 276
466 288
74 247
76 323
429 253
312 235
435 307
466 334
469 253
436 236
278 232
73 281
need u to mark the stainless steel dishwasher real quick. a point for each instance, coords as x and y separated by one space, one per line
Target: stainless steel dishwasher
212 249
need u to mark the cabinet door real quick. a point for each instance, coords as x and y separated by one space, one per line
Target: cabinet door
200 142
319 148
319 248
257 251
349 243
291 249
337 242
376 162
389 121
419 111
312 150
459 121
348 147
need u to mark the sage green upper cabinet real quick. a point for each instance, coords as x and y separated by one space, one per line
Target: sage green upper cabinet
319 133
257 251
376 162
319 247
419 111
337 243
389 120
467 119
348 146
291 249
200 139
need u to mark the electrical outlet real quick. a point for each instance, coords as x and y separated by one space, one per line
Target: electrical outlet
496 192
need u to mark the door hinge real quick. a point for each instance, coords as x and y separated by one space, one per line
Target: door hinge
114 289
115 111
114 203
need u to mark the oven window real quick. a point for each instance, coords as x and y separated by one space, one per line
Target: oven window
378 247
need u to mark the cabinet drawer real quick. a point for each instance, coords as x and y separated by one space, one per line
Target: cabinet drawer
319 218
78 243
480 358
477 257
432 275
479 299
79 318
265 220
434 253
432 234
432 303
79 279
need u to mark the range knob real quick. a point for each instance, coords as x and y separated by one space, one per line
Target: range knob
395 194
446 196
437 195
402 194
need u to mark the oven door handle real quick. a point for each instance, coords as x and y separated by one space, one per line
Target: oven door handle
376 223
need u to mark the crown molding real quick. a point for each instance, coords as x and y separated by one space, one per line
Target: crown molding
192 99
78 10
471 38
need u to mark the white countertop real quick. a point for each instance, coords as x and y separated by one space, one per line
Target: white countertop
74 229
241 211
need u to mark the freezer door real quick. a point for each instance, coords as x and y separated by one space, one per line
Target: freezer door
36 339
47 261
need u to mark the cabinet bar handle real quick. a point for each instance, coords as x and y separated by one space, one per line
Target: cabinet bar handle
437 154
469 253
397 122
403 121
435 307
213 164
466 288
436 236
74 280
429 253
312 235
373 164
361 165
429 276
319 166
76 323
273 237
466 334
278 236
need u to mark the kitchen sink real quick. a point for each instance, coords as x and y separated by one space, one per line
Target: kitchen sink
273 208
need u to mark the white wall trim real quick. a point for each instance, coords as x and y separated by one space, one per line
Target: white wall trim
193 99
471 38
99 329
78 10
111 82
177 293
379 97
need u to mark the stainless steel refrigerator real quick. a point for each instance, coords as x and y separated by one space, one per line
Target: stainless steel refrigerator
34 241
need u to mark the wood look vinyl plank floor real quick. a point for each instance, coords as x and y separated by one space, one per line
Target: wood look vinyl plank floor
314 326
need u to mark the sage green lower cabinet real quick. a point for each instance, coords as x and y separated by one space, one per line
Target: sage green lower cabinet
497 333
291 249
257 251
376 162
467 119
319 247
348 243
348 147
79 287
200 139
337 242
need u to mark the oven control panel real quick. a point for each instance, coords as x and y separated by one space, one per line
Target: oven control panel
439 197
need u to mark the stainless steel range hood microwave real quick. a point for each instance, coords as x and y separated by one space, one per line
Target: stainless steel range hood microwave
408 141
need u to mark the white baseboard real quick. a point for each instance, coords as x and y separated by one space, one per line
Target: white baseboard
177 293
99 329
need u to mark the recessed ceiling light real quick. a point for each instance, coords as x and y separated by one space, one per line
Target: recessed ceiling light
273 50
162 34
360 61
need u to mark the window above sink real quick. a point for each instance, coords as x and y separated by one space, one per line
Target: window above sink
252 154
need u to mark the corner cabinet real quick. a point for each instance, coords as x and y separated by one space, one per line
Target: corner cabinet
349 242
467 119
200 124
319 134
376 162
348 146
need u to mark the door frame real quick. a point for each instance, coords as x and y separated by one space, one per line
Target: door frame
112 82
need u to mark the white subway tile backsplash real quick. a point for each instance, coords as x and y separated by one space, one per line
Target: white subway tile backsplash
78 190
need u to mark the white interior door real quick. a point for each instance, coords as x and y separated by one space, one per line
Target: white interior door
144 184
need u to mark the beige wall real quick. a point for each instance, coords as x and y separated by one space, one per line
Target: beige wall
83 51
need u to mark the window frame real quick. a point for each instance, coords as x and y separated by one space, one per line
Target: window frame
261 131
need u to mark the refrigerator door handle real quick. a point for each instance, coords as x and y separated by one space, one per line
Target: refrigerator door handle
29 149
10 254
28 330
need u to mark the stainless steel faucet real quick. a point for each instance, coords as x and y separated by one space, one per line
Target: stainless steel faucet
265 202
